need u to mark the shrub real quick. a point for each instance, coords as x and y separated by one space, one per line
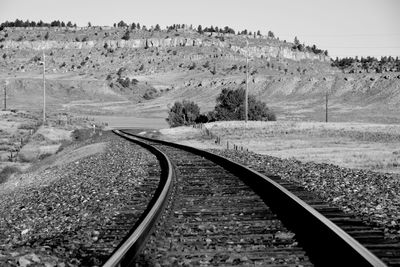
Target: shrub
271 34
7 172
213 71
150 94
81 134
121 71
192 66
183 113
126 36
124 82
121 24
45 155
230 106
207 117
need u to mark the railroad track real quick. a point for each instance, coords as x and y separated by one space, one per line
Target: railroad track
212 211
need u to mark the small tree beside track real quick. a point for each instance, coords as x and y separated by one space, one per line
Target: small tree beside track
183 113
230 106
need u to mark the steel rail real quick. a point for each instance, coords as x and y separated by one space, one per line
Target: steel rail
130 248
330 245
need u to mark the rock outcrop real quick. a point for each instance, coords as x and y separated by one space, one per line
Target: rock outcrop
253 51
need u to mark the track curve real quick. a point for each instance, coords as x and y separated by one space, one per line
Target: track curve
128 250
226 213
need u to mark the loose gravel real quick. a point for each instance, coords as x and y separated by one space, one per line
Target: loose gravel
373 196
57 224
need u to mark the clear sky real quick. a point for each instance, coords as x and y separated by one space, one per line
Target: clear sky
343 27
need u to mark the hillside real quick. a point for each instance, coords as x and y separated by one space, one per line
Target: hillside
119 70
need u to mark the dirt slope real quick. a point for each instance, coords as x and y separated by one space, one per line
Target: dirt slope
163 67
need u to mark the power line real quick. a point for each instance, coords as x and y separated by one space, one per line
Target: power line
363 47
371 55
44 88
339 35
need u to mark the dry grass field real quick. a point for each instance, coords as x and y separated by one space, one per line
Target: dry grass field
25 142
84 80
354 145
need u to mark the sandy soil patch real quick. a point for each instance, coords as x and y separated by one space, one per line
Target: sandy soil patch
41 175
11 126
46 141
33 151
121 122
54 134
79 153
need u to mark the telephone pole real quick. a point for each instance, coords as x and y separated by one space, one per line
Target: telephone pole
246 107
326 106
44 89
327 95
5 96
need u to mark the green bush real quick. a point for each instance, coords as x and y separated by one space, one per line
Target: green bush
45 155
230 106
192 66
81 134
7 172
206 117
150 94
183 113
124 82
126 36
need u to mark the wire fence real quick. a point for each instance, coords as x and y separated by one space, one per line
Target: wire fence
218 140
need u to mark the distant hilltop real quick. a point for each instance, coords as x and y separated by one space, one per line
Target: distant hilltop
141 66
59 35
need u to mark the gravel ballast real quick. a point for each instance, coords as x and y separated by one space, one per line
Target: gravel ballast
58 224
373 196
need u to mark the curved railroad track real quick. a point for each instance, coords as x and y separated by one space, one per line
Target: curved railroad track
212 211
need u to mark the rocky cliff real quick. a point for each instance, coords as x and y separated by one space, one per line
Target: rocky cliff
254 51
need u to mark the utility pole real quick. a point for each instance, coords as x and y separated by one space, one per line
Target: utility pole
327 95
246 107
326 106
5 96
44 89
